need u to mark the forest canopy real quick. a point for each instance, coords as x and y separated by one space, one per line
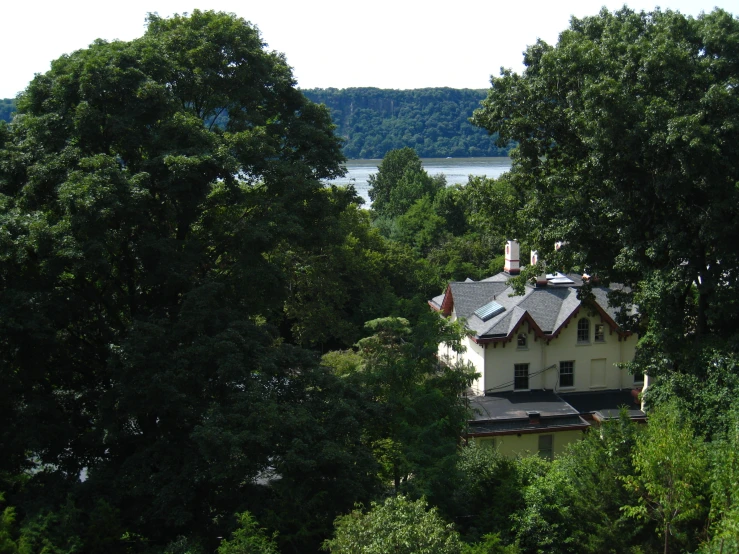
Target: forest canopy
205 348
7 108
432 121
628 141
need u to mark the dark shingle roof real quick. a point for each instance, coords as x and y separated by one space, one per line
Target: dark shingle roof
469 296
549 307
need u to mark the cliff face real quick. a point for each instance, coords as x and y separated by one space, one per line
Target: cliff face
433 121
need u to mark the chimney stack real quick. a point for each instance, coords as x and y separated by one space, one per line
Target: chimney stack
541 278
512 263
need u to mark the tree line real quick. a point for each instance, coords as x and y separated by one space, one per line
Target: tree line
203 347
7 108
433 121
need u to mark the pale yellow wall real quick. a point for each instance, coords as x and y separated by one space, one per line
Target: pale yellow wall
499 361
474 353
527 444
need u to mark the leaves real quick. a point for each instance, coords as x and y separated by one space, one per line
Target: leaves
397 525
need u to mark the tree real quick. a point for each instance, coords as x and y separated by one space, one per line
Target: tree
724 487
7 523
488 491
670 477
576 505
7 107
399 182
139 297
249 538
627 146
397 525
420 410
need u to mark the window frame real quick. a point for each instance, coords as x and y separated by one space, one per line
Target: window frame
569 374
522 341
583 329
600 337
546 451
516 369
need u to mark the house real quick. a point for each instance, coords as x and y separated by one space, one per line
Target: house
547 361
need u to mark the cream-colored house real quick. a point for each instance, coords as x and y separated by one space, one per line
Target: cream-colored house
547 362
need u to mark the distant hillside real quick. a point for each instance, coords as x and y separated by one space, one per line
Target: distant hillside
433 121
7 107
373 121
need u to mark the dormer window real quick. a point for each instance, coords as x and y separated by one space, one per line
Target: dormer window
522 340
583 330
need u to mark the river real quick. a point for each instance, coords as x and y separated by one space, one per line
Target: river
457 170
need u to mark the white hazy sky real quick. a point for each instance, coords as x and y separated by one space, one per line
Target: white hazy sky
397 44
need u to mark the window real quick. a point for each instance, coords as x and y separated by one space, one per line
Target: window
583 330
638 377
522 340
546 446
486 443
566 374
521 377
600 332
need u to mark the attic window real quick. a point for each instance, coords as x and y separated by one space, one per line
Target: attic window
489 310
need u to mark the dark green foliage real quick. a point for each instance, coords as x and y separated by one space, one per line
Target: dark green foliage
490 544
488 491
724 515
706 388
576 505
400 181
433 122
356 275
7 108
141 297
419 414
670 480
8 531
628 135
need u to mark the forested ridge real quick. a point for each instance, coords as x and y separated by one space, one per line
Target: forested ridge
204 348
432 121
7 107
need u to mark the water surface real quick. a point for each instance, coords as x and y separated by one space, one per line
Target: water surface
456 170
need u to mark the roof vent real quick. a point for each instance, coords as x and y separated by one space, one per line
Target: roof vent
489 310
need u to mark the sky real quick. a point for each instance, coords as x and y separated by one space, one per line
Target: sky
400 44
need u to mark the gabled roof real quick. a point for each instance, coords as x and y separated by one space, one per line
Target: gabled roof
546 310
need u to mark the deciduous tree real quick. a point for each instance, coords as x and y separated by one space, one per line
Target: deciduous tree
397 525
139 302
628 133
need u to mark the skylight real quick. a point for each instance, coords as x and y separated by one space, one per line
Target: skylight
489 310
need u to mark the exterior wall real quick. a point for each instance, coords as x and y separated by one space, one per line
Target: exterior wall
594 362
528 443
474 353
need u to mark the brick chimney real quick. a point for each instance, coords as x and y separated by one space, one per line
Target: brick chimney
541 279
512 262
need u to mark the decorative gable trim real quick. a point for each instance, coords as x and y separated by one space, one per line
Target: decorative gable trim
539 334
525 318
